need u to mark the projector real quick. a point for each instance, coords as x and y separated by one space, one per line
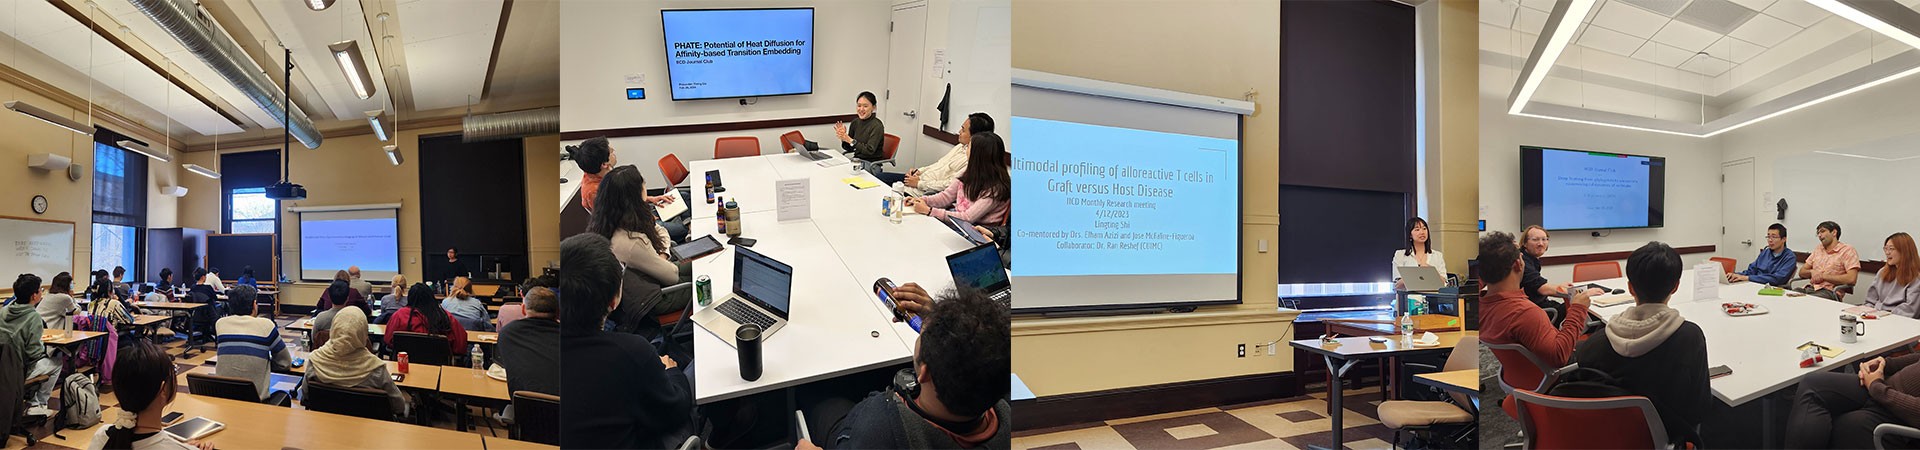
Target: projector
286 191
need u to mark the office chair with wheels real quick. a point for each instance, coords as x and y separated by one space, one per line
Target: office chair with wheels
674 171
536 417
1600 270
422 348
1568 422
1893 430
786 140
1726 264
350 401
233 389
736 147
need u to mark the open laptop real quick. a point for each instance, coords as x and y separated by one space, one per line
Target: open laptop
1421 278
809 149
979 267
762 293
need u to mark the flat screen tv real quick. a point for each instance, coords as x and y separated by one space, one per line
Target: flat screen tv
1567 189
738 53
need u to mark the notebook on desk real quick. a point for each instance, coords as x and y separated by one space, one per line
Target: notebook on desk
673 208
1611 299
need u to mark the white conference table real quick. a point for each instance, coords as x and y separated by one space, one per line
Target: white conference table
1761 349
837 326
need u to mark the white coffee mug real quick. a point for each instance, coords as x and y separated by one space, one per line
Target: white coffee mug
1850 327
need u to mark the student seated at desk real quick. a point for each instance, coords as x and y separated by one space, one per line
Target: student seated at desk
107 304
1840 410
20 328
347 361
865 139
143 381
250 347
1894 288
57 308
148 294
1775 264
625 395
983 194
393 301
1830 265
426 317
961 365
529 348
323 322
353 279
211 277
246 277
937 176
1507 316
1651 351
351 297
625 219
165 285
120 286
469 310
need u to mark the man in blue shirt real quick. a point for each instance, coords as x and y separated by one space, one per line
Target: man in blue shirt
1775 264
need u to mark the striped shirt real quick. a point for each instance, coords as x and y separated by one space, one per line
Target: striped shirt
250 348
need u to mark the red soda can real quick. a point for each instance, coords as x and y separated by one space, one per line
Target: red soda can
403 362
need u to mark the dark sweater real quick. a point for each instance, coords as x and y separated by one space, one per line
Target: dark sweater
883 420
1531 281
633 401
530 351
1896 392
869 138
1673 375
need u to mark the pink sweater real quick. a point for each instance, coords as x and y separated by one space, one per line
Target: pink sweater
954 202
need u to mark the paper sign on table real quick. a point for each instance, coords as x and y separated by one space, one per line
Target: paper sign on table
1706 281
793 199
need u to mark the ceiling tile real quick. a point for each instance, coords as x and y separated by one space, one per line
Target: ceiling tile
1663 7
1600 38
1707 65
1497 13
1718 16
1765 31
1734 50
1633 21
1756 5
1799 12
1685 36
1530 21
1538 5
1662 54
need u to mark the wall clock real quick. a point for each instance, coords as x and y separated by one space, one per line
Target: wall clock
39 204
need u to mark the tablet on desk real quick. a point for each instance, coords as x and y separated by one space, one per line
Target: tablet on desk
195 428
704 246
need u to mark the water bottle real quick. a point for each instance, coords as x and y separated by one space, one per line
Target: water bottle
479 360
1406 329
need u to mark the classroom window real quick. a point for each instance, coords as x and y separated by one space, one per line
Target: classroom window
119 205
252 211
115 245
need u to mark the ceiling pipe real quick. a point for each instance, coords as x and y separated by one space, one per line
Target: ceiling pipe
181 20
508 125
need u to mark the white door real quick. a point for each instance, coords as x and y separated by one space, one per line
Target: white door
1740 239
898 107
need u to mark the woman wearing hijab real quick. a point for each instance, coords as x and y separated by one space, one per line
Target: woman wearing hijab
346 361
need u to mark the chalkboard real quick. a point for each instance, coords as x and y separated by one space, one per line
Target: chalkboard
232 252
39 247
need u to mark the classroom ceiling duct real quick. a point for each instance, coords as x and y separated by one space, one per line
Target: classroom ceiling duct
182 21
508 125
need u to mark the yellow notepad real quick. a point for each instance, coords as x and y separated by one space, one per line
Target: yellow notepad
859 182
1825 351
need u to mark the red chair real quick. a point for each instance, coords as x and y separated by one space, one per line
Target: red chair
892 145
786 140
1725 263
1519 369
1596 423
671 167
1590 271
736 147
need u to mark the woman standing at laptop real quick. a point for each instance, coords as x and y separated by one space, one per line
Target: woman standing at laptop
1419 252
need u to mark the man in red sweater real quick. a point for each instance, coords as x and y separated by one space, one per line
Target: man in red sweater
1508 317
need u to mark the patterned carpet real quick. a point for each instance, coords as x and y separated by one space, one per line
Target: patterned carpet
1295 422
78 439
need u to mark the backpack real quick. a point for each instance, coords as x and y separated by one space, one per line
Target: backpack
79 401
1588 382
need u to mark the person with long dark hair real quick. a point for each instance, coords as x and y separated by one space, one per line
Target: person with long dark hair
1419 251
427 317
634 397
57 307
936 177
143 380
1897 287
983 195
638 241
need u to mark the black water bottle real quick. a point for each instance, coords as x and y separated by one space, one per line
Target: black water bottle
747 339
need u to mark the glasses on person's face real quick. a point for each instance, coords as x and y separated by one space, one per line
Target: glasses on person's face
1539 239
1774 237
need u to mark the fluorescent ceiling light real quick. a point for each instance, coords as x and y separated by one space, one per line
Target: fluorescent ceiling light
393 154
373 118
202 171
1570 13
136 147
49 117
318 5
347 53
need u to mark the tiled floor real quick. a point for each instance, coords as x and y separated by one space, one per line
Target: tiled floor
78 439
1295 422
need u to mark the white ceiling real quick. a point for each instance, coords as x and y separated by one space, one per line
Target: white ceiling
1755 51
41 27
308 33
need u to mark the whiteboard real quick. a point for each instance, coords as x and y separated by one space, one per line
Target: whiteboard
38 247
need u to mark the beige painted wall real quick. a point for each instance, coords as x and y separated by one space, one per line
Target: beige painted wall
72 201
1221 48
353 170
1453 159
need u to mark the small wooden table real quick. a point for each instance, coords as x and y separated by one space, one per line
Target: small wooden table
1464 381
1342 353
306 324
259 425
63 338
177 306
144 324
498 443
465 384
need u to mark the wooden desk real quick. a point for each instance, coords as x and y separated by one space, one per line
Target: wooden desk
1387 325
483 337
497 443
64 338
422 376
307 325
144 324
1465 381
178 306
257 425
1351 350
472 383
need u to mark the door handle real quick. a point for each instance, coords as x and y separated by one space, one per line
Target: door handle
911 113
1748 242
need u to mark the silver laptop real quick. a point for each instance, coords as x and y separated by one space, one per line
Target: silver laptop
809 149
762 292
1421 278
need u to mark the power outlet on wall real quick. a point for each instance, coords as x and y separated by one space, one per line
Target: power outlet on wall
1243 350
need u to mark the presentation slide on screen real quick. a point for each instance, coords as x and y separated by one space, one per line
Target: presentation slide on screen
332 244
1098 200
1594 190
739 53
